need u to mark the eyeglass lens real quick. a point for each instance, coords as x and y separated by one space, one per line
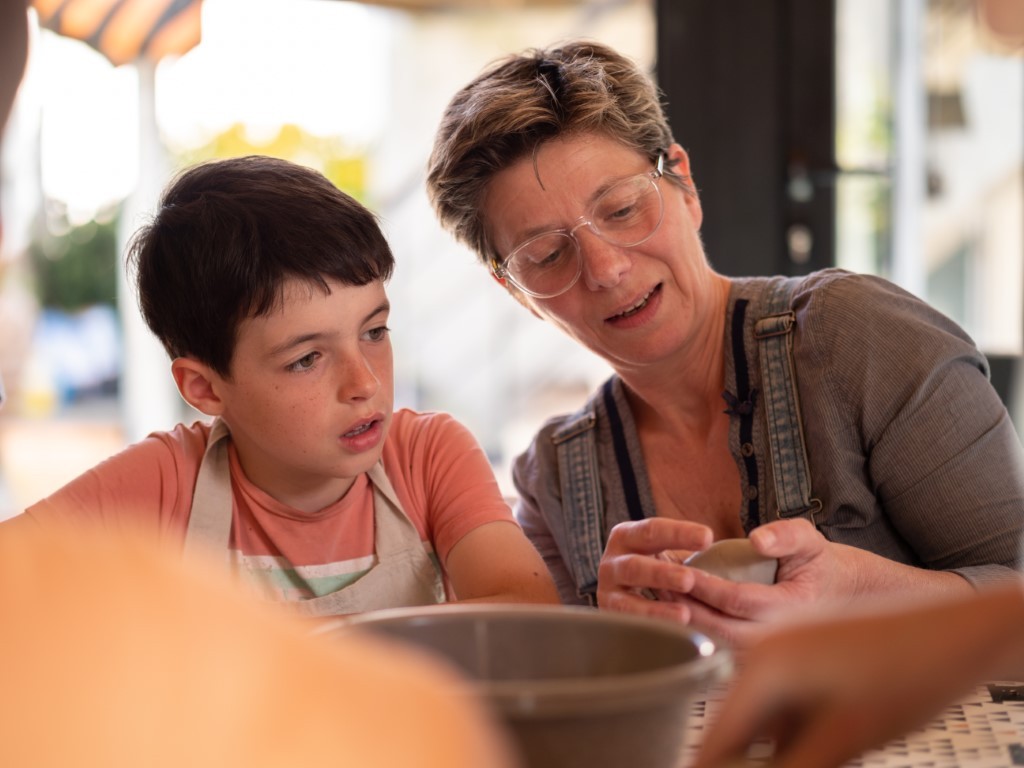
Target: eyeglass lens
626 214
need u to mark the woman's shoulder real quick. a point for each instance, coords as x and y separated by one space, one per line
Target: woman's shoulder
843 284
871 310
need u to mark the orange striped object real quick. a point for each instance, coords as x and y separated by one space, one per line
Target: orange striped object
125 30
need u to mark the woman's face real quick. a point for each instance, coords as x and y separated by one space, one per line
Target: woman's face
633 306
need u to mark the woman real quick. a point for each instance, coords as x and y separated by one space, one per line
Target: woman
843 425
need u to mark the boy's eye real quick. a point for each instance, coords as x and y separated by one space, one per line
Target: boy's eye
305 362
378 334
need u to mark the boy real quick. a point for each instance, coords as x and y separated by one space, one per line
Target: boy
265 285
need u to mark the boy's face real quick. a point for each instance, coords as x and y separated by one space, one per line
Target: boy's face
311 392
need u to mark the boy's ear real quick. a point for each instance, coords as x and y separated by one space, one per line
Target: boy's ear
196 383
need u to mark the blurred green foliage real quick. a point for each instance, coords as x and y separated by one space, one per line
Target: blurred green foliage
75 266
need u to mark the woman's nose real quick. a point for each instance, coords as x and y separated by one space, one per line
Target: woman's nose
604 264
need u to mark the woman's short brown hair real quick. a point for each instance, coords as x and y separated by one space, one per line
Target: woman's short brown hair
523 100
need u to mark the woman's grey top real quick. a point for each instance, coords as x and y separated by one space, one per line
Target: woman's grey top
911 452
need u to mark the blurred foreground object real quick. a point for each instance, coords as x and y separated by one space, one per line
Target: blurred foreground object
1004 19
827 690
115 654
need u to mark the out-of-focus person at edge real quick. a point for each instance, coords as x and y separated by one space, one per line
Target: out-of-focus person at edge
843 425
827 690
115 652
118 653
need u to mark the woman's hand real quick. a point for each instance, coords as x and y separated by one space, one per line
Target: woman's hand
813 573
811 569
643 559
644 556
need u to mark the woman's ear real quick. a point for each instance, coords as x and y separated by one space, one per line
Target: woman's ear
681 167
197 384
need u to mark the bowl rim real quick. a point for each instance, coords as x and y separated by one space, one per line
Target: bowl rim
633 690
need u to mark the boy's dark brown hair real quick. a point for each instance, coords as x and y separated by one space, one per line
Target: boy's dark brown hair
227 236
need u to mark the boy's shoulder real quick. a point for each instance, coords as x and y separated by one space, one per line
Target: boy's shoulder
434 432
186 440
411 425
407 419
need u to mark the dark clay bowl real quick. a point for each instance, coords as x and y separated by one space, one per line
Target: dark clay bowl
577 687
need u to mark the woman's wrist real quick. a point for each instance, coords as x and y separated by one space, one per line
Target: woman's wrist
867 575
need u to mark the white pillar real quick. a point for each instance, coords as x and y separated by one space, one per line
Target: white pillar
149 399
910 135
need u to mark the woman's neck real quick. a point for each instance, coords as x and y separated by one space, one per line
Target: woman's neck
685 389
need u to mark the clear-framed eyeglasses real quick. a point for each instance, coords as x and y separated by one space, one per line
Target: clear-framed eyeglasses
626 214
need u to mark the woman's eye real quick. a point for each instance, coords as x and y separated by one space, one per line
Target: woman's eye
304 363
622 213
617 210
552 259
378 334
542 256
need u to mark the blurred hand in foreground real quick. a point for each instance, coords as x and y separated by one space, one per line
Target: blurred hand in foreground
825 692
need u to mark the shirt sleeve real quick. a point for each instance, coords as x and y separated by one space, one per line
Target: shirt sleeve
908 393
148 485
445 477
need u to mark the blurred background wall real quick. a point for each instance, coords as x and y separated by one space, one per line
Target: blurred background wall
884 136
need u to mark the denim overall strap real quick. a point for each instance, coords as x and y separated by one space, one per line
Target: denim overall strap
576 447
774 334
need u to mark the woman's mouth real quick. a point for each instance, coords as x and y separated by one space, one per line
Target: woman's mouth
639 306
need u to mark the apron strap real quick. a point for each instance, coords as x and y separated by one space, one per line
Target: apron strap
774 334
209 529
579 476
392 532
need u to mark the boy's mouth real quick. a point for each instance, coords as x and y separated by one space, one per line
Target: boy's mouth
360 429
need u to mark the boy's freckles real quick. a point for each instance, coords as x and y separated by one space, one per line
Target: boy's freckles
313 370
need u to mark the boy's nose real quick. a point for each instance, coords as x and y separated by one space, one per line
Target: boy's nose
604 264
359 381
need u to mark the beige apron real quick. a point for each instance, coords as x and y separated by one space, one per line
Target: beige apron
403 576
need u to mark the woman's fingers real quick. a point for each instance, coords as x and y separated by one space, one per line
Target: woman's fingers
639 559
788 538
642 572
657 534
628 602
